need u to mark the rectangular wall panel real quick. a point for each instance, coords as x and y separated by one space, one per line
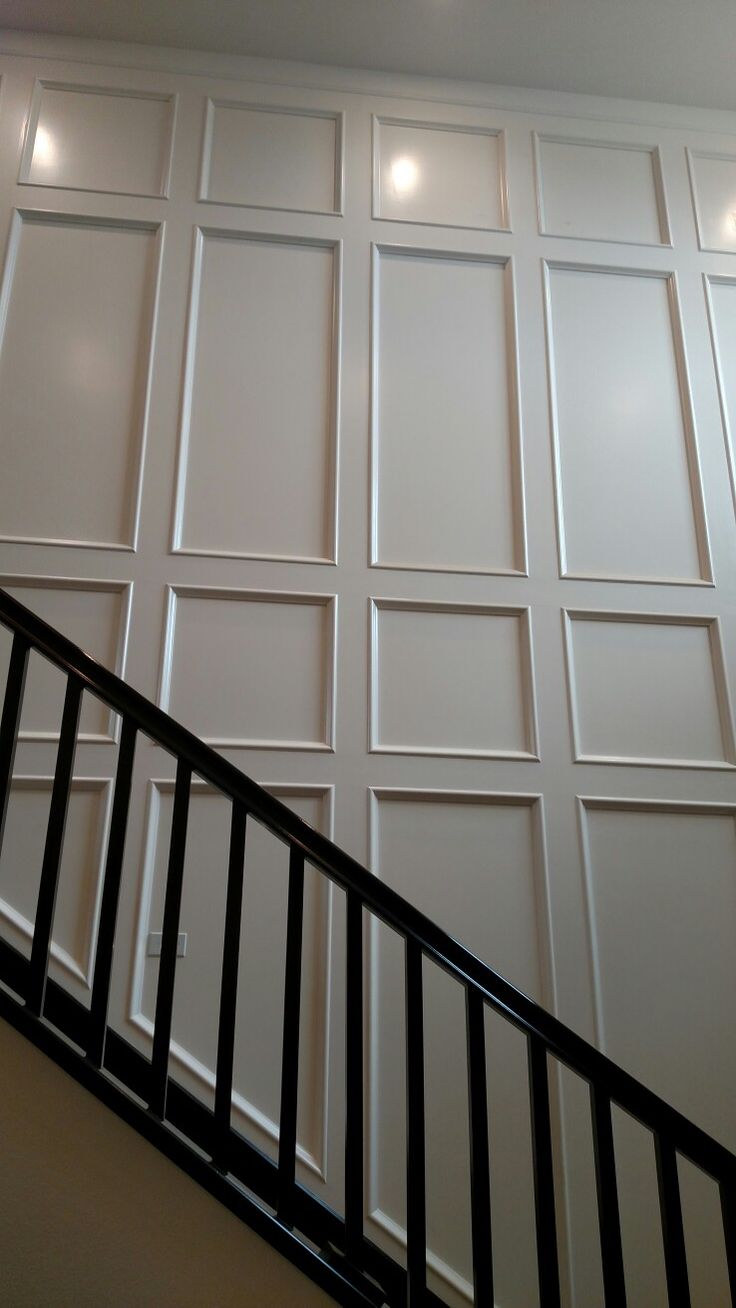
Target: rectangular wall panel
649 689
85 138
75 917
629 499
77 305
474 862
257 1077
600 191
434 173
251 669
94 614
447 467
419 707
260 414
721 297
713 182
272 158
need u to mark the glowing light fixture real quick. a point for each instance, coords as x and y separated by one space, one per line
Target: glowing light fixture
404 175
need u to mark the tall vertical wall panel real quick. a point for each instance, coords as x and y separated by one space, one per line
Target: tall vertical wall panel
384 432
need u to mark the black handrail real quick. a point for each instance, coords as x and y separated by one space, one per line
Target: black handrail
349 1258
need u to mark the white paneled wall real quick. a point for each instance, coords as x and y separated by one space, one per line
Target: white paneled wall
384 433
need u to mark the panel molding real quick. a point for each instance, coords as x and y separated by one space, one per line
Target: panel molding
709 281
600 803
81 972
526 674
545 947
222 102
314 1158
660 194
516 451
82 88
691 155
156 228
201 233
177 592
720 684
124 589
689 430
379 120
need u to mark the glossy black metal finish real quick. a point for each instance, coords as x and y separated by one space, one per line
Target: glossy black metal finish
544 1181
229 987
673 1233
609 1221
290 1052
416 1213
354 1078
350 1267
111 895
51 865
12 708
169 936
480 1179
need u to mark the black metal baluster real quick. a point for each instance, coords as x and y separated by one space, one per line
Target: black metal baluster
609 1221
416 1216
354 1080
169 939
544 1181
290 1051
229 987
728 1210
673 1233
111 895
480 1178
49 883
12 707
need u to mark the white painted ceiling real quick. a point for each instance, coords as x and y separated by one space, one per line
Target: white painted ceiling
673 50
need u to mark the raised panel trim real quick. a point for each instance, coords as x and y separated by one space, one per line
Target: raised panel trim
71 966
518 491
692 155
122 588
176 592
182 456
315 1159
379 120
526 670
709 281
157 229
599 803
660 194
49 84
720 683
222 102
545 943
688 424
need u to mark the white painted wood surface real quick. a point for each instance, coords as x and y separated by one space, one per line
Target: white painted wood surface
386 437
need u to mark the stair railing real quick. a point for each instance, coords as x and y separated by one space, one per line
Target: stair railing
333 1249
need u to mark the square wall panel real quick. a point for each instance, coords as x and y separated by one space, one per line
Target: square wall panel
257 1071
439 174
629 497
627 674
260 415
662 902
600 191
85 138
451 680
93 615
252 669
447 489
75 916
272 158
713 182
78 299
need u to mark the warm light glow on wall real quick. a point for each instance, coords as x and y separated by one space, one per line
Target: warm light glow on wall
44 149
404 175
